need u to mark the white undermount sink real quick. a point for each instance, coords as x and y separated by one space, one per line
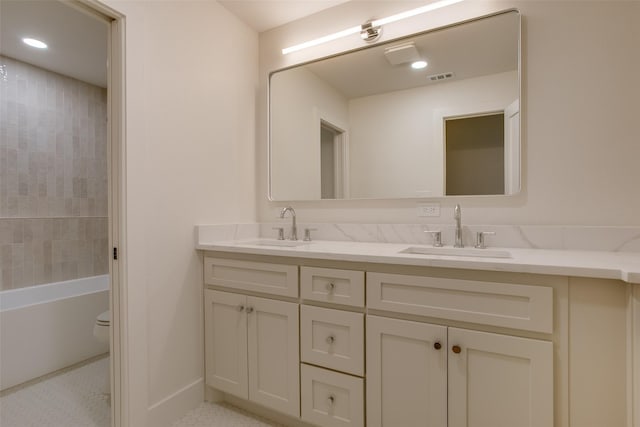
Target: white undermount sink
465 252
279 243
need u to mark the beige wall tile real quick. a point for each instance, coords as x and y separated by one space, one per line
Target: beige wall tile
53 176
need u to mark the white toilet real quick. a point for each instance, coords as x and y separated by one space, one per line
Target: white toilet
101 327
101 332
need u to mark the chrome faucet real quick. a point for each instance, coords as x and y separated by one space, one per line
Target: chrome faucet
457 215
294 227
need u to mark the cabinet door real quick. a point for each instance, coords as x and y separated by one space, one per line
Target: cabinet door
274 358
406 373
226 342
499 381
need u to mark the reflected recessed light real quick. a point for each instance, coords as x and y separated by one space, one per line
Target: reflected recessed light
35 43
418 65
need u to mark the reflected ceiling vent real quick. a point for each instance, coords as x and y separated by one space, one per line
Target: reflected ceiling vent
441 77
402 53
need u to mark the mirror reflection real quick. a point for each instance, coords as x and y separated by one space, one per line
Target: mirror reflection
380 123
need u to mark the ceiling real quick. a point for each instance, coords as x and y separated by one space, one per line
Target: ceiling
77 40
473 49
263 15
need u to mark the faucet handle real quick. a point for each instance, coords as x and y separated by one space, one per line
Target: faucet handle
280 232
307 234
480 238
437 238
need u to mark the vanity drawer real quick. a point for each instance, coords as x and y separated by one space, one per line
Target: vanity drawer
331 399
275 279
514 306
332 338
332 285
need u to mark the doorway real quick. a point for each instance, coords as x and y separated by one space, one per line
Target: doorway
61 142
474 155
332 161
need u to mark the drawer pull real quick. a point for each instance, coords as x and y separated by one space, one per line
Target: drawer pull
331 400
240 307
437 346
249 310
331 287
331 339
456 349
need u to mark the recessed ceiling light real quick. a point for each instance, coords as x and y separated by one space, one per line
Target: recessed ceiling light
418 65
35 43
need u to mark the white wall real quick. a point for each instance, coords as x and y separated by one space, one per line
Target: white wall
396 140
580 66
191 82
296 126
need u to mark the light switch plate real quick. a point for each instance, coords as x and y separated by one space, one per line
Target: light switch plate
429 209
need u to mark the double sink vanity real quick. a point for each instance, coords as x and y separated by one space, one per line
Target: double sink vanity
344 333
416 325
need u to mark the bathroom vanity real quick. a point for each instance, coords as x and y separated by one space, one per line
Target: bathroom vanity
355 334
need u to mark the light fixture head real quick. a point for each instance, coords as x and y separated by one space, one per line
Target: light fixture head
34 43
370 33
418 65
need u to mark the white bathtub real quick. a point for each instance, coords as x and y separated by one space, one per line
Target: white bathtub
49 327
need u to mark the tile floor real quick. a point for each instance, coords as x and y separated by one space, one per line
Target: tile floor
221 415
71 398
74 398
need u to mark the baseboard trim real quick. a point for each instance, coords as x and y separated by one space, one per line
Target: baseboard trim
174 406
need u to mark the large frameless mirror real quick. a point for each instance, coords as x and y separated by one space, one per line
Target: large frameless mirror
367 124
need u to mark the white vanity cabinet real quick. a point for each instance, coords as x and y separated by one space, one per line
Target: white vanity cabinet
326 343
425 374
252 343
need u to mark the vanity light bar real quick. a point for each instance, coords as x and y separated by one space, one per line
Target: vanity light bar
321 40
413 12
376 23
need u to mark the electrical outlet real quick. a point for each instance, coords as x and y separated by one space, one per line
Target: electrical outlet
429 209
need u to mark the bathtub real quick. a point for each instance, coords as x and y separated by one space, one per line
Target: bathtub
48 327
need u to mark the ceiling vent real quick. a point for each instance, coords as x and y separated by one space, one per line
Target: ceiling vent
402 53
441 77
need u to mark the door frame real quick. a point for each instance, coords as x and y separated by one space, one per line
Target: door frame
116 161
341 149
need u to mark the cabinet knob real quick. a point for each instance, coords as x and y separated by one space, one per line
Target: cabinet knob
437 346
456 349
331 287
331 339
240 307
249 310
331 400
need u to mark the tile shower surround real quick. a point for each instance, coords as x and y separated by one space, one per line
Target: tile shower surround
53 177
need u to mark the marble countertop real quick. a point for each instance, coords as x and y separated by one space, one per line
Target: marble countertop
597 264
